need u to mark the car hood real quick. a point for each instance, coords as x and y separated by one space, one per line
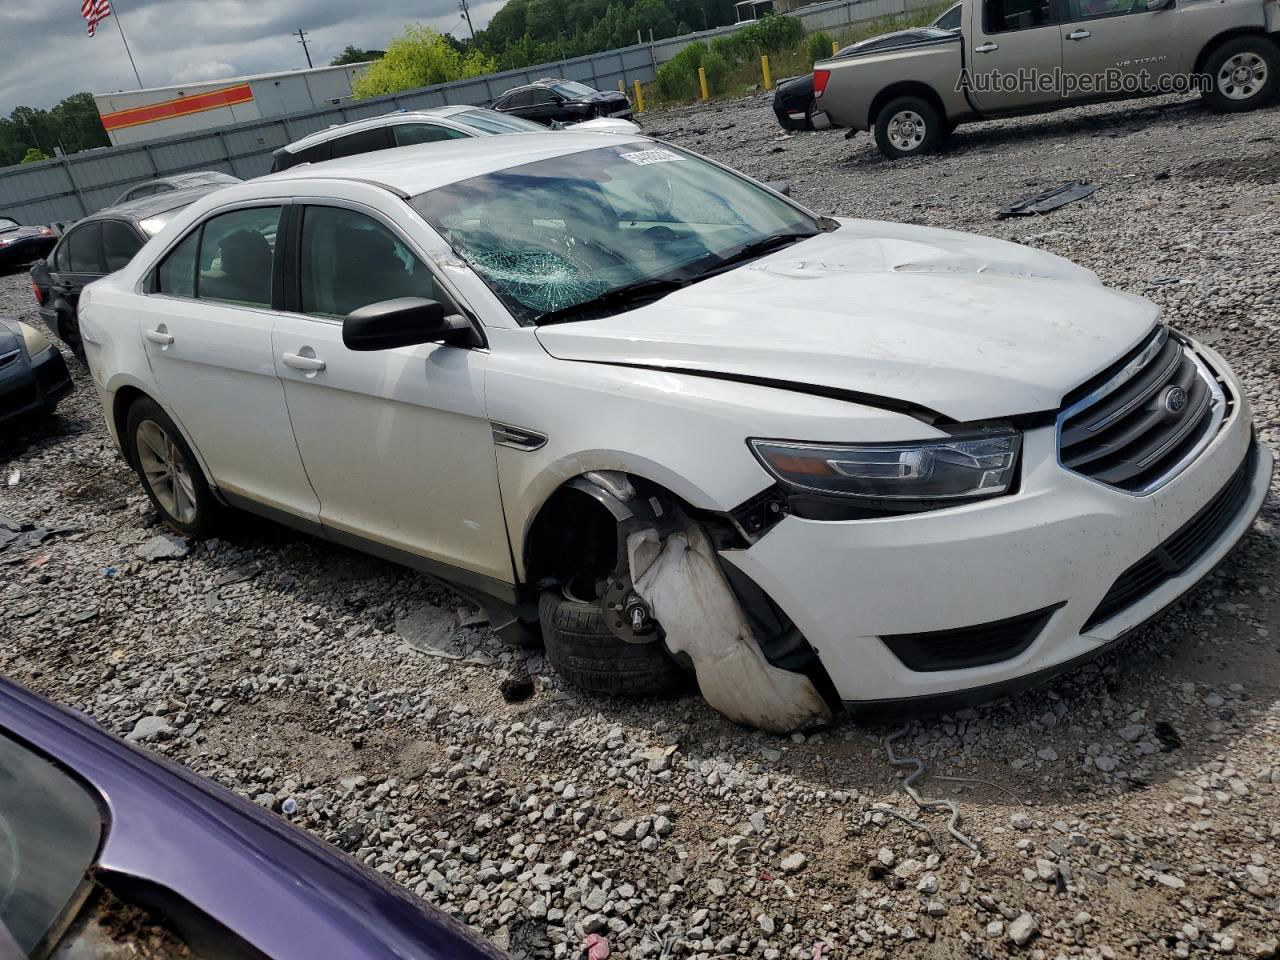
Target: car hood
10 337
965 326
21 233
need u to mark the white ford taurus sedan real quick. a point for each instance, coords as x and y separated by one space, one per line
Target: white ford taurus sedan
678 424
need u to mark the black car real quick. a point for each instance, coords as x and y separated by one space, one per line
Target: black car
793 101
19 244
95 246
563 101
33 375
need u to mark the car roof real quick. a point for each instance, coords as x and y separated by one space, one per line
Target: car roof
144 207
417 169
369 123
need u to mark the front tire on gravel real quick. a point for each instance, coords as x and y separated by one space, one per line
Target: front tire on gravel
907 127
584 652
1243 73
169 471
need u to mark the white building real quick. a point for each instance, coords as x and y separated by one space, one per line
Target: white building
135 115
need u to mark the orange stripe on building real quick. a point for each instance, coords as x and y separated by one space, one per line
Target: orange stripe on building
197 103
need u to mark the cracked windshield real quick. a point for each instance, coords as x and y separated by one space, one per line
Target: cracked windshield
574 236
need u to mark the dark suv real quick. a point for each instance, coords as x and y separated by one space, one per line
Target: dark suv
563 101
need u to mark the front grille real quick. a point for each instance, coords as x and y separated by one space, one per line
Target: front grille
975 646
1137 425
1192 541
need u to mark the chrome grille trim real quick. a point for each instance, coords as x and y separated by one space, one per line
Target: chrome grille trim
1085 448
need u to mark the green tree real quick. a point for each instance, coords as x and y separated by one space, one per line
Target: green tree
420 57
356 55
34 156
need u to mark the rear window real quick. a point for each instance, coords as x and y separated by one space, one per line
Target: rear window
490 121
50 830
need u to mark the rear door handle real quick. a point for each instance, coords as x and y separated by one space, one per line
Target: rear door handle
987 48
299 362
1079 35
159 337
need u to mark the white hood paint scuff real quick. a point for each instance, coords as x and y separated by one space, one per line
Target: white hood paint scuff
971 327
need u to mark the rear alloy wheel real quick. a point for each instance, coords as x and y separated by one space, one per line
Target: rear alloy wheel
1243 73
170 474
907 127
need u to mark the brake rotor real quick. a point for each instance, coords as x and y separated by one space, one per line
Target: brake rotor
626 614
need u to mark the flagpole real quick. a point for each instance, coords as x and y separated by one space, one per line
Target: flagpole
116 15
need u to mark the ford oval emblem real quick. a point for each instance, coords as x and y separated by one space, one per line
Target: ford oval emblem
1175 400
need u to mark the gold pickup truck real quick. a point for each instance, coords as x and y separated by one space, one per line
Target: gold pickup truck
1031 56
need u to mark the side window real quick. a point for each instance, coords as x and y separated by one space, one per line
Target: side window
521 98
119 244
366 141
951 19
237 257
1091 9
317 154
61 259
84 249
1001 16
410 133
177 273
350 260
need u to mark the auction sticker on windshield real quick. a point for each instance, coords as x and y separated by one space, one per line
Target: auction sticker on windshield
646 157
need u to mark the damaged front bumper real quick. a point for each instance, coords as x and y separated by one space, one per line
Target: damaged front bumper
964 604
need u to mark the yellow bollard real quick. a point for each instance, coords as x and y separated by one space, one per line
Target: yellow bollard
639 104
768 77
702 82
835 47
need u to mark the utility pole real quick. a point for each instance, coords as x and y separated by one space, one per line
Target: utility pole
465 7
302 39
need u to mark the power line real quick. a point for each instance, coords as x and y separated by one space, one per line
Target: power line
302 39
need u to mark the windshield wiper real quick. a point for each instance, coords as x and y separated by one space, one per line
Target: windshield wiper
754 249
648 289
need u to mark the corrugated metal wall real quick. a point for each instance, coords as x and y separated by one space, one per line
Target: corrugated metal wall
71 187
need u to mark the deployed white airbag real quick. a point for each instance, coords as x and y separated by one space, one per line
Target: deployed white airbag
687 593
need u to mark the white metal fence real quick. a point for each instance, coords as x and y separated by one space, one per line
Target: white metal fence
71 187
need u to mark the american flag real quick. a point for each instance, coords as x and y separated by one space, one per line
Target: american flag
94 12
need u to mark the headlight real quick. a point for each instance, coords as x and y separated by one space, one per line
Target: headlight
951 468
36 341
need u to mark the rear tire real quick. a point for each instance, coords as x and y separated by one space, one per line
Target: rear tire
169 471
907 127
584 652
1244 73
68 329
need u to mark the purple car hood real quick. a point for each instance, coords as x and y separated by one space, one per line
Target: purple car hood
283 892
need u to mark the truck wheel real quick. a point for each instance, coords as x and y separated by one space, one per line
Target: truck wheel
1243 73
584 652
907 127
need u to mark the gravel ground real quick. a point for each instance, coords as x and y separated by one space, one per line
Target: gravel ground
1131 808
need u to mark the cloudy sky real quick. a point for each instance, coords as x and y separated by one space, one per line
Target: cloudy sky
45 53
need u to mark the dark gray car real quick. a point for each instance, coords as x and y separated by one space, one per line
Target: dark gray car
96 246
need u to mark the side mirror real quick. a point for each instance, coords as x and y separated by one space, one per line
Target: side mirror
404 322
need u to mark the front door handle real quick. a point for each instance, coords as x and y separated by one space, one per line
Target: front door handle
987 48
299 362
1079 35
160 337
